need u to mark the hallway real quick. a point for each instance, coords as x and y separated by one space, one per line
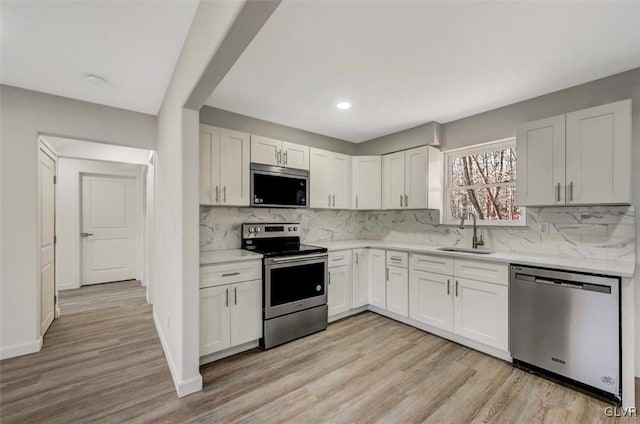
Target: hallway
101 356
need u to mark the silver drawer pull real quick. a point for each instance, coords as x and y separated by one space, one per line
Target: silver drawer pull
395 259
230 274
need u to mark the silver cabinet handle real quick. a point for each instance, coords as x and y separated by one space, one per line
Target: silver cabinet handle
406 201
280 157
356 258
393 258
334 200
401 200
235 295
224 194
217 194
85 234
329 200
356 202
558 192
456 288
571 191
277 160
329 277
285 157
387 273
448 287
229 274
226 302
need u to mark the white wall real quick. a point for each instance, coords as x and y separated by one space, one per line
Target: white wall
68 214
175 289
24 115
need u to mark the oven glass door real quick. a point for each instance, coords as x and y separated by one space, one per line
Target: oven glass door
270 189
295 285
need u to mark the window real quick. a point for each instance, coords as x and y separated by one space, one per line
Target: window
482 180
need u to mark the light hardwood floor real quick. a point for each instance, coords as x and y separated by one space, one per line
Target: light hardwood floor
102 362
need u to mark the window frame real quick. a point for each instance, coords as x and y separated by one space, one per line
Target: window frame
474 150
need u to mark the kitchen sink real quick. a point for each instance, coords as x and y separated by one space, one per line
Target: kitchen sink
467 250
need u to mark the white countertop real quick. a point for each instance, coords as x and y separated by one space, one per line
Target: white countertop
211 257
595 266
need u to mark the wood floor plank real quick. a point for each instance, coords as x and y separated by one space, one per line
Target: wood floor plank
102 363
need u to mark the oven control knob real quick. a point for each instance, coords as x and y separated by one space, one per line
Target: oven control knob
290 228
257 229
295 228
318 287
251 229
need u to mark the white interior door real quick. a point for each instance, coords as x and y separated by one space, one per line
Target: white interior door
47 245
108 229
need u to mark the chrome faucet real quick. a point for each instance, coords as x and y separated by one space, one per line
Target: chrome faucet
475 242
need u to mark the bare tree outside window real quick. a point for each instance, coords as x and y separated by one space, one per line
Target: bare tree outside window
483 181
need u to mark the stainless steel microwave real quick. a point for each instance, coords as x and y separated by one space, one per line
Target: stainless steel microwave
278 187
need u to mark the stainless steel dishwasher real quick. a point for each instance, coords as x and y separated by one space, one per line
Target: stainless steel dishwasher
568 324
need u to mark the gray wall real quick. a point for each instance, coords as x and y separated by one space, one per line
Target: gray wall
233 121
25 114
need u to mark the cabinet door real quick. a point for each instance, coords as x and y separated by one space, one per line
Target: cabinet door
431 300
208 161
215 331
295 155
481 312
339 295
415 179
321 168
340 181
360 294
398 291
377 278
599 154
393 174
266 151
246 312
234 168
541 162
366 182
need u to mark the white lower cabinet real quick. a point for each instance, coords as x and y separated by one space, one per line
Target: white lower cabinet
398 290
339 291
377 278
230 315
360 278
430 299
481 312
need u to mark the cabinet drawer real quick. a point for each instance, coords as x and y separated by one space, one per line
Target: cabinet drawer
427 263
340 258
482 271
400 259
216 275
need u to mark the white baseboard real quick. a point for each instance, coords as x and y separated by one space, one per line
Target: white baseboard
228 352
21 349
183 387
348 313
67 286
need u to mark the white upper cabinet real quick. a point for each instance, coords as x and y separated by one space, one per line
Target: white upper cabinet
269 151
393 175
582 157
412 179
330 175
224 167
599 154
366 182
540 147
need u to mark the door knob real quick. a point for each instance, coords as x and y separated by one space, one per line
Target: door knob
85 234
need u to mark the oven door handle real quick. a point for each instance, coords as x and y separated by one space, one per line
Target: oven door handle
297 258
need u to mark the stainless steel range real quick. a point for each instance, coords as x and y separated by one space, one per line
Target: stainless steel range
295 281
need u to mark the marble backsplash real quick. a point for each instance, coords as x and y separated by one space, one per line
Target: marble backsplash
592 232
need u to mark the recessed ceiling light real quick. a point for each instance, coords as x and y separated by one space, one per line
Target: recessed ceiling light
94 79
343 105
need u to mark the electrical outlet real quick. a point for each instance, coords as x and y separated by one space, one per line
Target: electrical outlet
543 228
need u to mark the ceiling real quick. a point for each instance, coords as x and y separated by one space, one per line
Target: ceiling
402 64
80 149
49 45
